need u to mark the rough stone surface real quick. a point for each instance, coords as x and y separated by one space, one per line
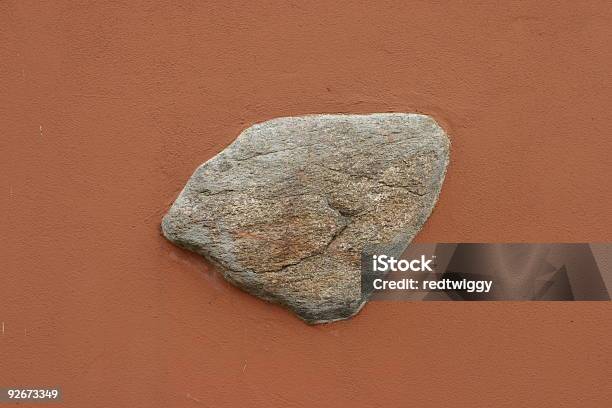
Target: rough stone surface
286 211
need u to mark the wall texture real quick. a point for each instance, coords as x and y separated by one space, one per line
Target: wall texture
106 109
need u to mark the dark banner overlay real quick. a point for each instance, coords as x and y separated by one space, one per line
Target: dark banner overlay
489 272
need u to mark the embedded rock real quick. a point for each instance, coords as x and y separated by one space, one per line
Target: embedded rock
287 211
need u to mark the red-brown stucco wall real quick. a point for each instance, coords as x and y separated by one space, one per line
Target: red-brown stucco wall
108 107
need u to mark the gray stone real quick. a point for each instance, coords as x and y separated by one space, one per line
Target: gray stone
286 211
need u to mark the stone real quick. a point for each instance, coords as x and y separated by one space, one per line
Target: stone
288 210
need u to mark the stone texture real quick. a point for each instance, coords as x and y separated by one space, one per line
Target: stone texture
286 211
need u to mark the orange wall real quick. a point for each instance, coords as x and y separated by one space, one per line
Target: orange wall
106 109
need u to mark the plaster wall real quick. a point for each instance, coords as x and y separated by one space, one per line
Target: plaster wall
106 109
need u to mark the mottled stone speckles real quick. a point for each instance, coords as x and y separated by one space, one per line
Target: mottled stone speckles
286 210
